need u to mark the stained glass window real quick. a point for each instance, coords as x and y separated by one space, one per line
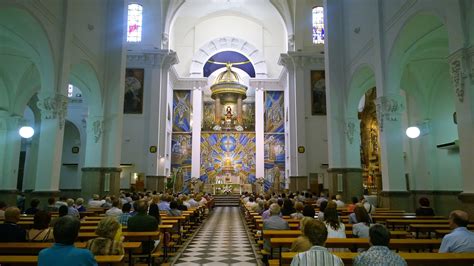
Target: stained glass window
318 25
134 33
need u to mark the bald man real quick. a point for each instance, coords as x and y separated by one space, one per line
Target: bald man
10 231
460 240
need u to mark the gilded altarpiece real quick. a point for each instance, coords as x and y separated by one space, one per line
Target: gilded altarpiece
181 141
370 148
274 151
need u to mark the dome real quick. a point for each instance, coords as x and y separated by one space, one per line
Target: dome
227 86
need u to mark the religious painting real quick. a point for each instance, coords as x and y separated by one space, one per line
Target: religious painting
228 111
274 112
181 151
182 111
228 155
248 116
133 98
274 154
318 92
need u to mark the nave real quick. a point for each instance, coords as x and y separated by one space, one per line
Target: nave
222 240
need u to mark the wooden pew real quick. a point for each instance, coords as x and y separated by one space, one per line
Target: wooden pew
33 260
406 222
296 233
429 228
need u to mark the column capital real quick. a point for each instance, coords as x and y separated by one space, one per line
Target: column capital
389 108
461 66
160 58
53 106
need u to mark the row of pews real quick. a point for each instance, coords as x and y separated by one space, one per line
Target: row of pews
173 231
406 231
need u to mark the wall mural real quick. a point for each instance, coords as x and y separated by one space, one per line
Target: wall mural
133 98
228 154
274 141
274 161
182 111
181 151
274 114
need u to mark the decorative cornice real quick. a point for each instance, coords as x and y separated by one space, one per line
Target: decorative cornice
344 170
159 58
101 169
461 66
301 60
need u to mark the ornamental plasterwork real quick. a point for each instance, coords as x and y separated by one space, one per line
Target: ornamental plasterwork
53 106
350 131
455 70
163 58
97 129
389 108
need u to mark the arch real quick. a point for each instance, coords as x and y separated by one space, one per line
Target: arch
227 44
362 80
84 76
24 35
423 31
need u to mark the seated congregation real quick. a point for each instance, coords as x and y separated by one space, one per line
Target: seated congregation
71 232
304 230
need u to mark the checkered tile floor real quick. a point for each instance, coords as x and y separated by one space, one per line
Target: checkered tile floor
221 241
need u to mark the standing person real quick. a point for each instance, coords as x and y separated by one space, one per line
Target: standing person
105 243
460 240
9 230
317 234
41 231
63 251
379 253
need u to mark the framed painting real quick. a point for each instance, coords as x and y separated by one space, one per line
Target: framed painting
318 92
133 99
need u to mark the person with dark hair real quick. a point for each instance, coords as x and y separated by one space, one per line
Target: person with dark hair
9 230
335 228
3 207
460 240
360 229
63 210
41 232
424 209
63 251
115 211
142 222
20 201
317 234
52 205
379 253
287 208
154 211
174 209
123 218
309 211
322 207
33 207
351 207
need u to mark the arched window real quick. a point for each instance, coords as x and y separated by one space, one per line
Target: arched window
318 25
134 33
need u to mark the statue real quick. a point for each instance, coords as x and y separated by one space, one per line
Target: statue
228 114
178 182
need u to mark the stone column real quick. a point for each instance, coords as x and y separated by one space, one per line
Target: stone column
259 132
239 110
101 180
53 109
461 65
196 134
10 144
218 111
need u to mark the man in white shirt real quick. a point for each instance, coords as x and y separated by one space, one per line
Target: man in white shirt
115 210
460 240
95 202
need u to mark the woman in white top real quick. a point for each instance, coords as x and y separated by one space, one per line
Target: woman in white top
335 228
361 228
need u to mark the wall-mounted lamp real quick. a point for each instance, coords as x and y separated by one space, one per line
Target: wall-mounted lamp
26 132
413 132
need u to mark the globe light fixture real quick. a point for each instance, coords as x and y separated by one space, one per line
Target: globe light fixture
413 132
26 132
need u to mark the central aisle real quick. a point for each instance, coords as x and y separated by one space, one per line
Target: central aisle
221 241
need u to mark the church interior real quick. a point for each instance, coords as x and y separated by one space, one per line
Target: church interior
370 98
